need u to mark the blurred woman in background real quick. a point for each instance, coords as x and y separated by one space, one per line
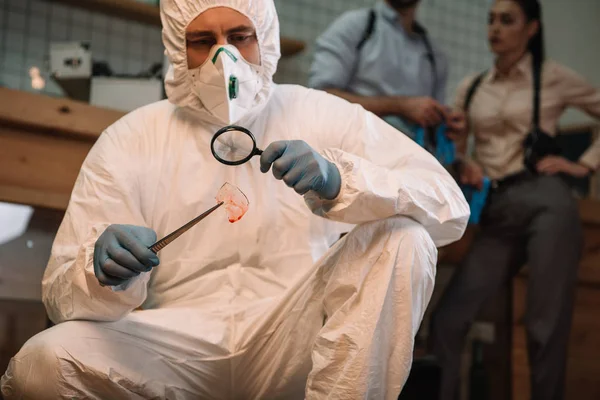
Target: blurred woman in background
530 217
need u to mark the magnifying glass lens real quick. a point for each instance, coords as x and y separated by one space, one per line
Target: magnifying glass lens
234 146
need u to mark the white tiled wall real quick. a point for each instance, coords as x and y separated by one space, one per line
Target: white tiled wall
458 26
571 32
28 26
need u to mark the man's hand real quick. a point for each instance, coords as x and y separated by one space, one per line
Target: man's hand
122 252
424 111
471 173
552 165
457 125
301 168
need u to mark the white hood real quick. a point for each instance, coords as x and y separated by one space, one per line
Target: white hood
176 15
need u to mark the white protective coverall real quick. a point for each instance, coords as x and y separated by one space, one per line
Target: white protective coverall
268 307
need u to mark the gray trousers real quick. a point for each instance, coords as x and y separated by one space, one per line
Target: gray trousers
533 222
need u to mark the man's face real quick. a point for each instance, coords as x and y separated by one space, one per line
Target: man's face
220 26
399 4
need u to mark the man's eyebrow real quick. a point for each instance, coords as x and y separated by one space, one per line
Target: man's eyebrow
195 34
241 29
237 29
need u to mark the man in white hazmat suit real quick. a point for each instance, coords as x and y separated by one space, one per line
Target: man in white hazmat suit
268 307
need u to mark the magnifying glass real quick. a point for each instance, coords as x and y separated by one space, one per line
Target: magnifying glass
234 145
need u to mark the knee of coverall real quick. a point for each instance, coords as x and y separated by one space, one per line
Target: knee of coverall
34 373
414 249
400 231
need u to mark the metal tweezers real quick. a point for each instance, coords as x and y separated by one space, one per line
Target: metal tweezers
162 243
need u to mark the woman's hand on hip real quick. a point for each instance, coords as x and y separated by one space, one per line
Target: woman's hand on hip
552 165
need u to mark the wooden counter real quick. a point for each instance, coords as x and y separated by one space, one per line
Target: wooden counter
44 141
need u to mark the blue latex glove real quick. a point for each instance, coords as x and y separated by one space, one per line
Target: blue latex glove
445 150
420 136
122 252
476 199
302 168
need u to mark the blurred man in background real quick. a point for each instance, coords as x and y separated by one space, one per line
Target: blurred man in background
383 59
